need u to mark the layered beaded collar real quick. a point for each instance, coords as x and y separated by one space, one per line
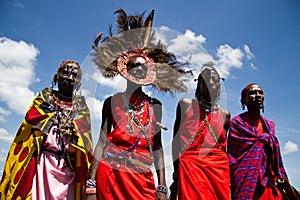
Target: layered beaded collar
208 107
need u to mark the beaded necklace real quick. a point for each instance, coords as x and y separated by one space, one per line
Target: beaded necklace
65 130
206 123
133 121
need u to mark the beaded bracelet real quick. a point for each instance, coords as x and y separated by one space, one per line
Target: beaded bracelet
90 186
162 188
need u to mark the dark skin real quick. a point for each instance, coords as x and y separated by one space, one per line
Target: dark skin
68 79
106 128
209 89
254 101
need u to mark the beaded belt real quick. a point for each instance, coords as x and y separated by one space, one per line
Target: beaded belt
127 161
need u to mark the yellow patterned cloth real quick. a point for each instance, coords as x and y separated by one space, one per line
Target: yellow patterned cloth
19 170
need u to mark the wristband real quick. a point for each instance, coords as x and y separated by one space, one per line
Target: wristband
91 183
162 188
90 191
90 186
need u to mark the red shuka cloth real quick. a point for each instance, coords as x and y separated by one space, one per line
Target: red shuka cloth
203 167
255 158
116 180
269 193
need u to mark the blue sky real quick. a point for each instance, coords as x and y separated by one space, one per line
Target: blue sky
250 40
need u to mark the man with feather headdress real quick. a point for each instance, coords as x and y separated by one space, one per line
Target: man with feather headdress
130 137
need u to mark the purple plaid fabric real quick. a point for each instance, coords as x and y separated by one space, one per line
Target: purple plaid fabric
251 156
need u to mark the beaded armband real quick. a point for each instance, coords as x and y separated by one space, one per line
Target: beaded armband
162 188
90 186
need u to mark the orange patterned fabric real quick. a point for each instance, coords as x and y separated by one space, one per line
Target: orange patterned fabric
20 165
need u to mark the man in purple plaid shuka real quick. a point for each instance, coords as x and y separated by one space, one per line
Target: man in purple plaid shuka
256 167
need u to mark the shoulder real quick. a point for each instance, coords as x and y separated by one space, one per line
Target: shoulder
81 98
47 92
225 113
117 98
116 95
242 116
44 94
269 121
155 101
185 102
108 99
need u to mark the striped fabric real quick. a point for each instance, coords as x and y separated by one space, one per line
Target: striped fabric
252 156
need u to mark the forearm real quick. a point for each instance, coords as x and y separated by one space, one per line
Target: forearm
161 190
97 157
159 166
175 152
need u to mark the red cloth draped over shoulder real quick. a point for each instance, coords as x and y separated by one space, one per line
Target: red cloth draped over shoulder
204 166
115 180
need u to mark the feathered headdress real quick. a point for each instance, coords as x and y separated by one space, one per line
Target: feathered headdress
135 45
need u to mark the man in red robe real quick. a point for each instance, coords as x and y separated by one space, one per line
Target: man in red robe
130 138
201 165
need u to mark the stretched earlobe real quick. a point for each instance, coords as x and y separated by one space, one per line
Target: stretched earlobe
53 82
55 79
243 106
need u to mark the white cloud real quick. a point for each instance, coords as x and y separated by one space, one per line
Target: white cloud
5 136
187 44
95 107
117 83
190 45
253 67
93 81
198 59
3 112
3 155
200 38
248 52
289 147
228 58
17 62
